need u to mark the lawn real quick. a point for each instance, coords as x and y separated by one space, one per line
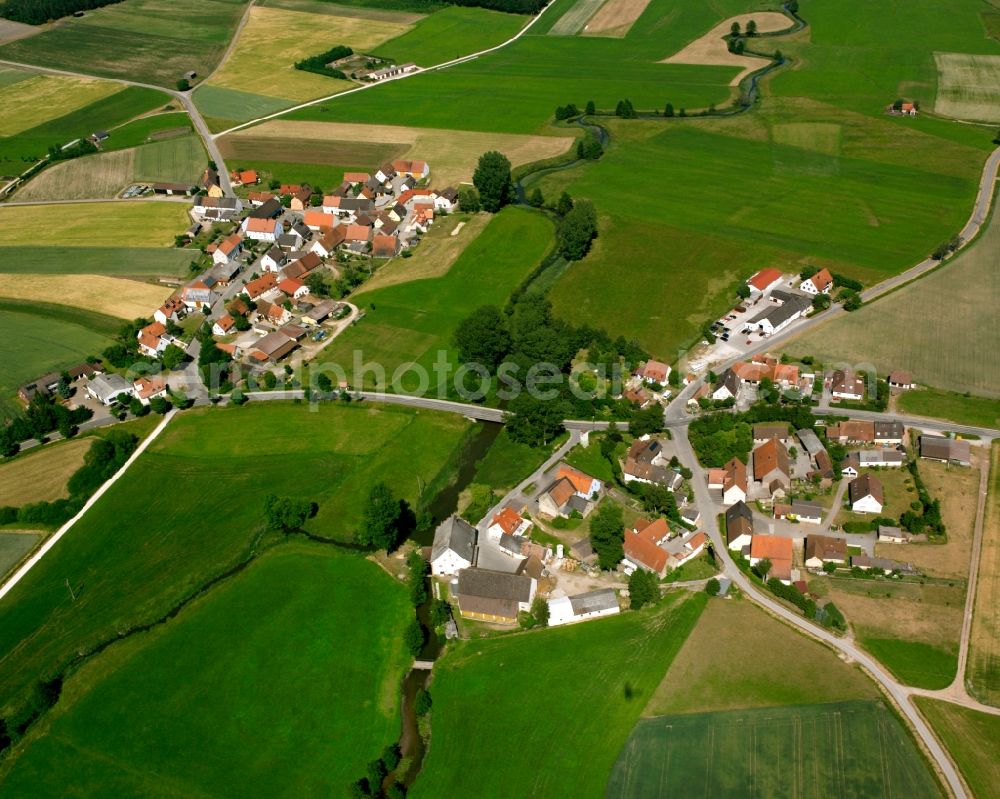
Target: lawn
959 408
291 36
508 462
17 152
108 296
31 345
958 351
150 41
897 486
40 98
451 33
192 506
252 690
452 155
973 740
137 224
983 671
857 748
13 547
595 679
41 475
104 175
29 259
914 662
413 322
706 676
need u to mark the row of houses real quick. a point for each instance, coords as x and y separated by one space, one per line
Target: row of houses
752 373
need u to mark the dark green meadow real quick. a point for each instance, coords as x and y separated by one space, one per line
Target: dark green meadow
192 506
856 748
282 681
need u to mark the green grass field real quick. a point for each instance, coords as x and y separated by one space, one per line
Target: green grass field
508 462
970 410
914 662
982 674
254 689
224 108
19 151
13 547
972 738
412 322
33 344
195 501
146 129
143 40
595 679
95 261
854 748
178 160
451 33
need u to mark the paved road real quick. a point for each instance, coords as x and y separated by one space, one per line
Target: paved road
921 422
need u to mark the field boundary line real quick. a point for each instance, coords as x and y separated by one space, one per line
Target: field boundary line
53 539
435 68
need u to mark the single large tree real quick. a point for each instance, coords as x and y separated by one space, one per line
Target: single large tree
482 337
380 525
607 532
492 180
286 513
643 589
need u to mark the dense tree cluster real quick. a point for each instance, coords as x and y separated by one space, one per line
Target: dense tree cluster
567 111
43 415
319 64
607 534
508 6
386 521
625 109
38 12
538 616
719 437
287 513
493 182
577 230
643 589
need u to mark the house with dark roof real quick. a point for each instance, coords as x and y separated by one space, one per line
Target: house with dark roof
946 450
727 387
847 384
776 318
822 549
646 463
494 596
739 526
454 546
865 494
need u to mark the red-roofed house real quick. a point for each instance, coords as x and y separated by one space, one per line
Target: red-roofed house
384 246
173 310
229 248
356 177
293 288
585 485
223 325
764 280
356 236
256 289
413 169
642 546
153 339
326 245
655 372
262 229
820 283
776 549
317 220
248 177
258 198
509 522
147 388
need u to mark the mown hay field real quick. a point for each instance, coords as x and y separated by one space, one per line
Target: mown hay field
968 86
855 748
273 39
28 103
112 296
97 176
940 328
131 224
620 660
452 155
151 41
207 682
133 573
450 33
41 476
971 737
983 671
615 18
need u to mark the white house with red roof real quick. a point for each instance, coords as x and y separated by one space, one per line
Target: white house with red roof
654 372
764 281
257 288
262 229
154 339
173 310
148 388
293 288
507 522
820 283
223 325
228 249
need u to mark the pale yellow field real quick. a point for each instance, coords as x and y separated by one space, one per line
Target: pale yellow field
615 18
114 296
452 154
274 39
438 250
33 101
968 86
41 476
983 672
96 176
119 224
711 49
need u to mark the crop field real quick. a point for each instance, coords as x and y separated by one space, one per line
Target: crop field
140 224
17 152
208 682
983 671
968 86
450 33
132 261
10 30
452 155
854 748
41 476
151 41
381 10
620 659
439 248
13 547
153 127
127 574
959 350
112 296
291 36
31 345
616 18
29 103
574 20
413 322
177 160
706 677
224 108
912 629
973 740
